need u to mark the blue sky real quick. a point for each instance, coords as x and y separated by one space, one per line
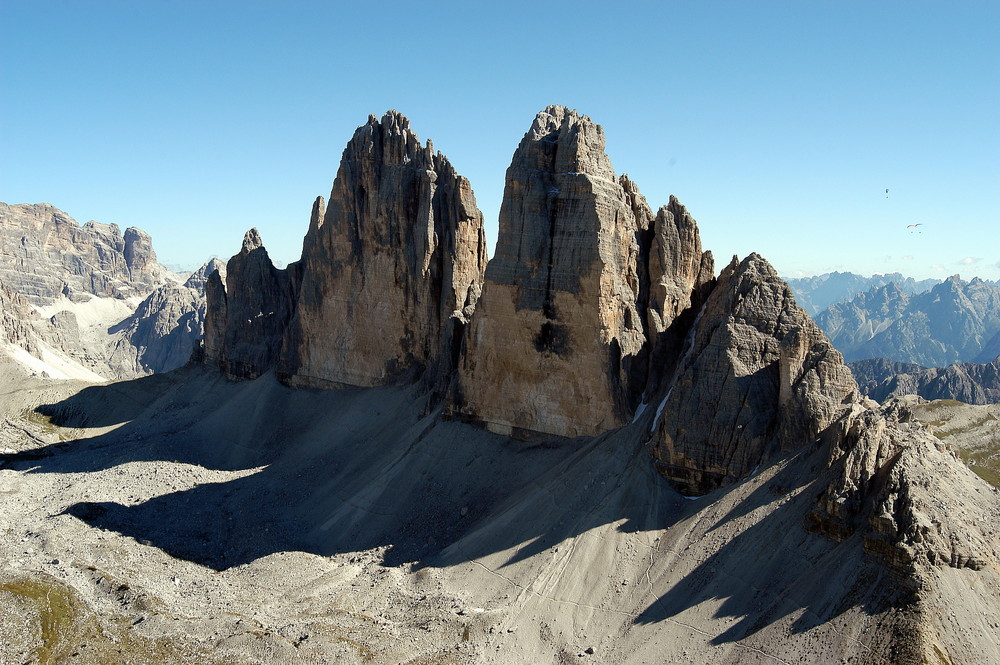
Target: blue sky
779 124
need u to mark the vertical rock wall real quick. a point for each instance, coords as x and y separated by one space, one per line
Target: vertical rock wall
559 341
392 270
245 323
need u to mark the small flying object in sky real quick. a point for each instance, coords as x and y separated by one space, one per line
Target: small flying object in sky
910 226
886 193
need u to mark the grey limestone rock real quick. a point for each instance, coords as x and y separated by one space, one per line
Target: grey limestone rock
44 253
914 503
972 383
757 378
391 271
559 343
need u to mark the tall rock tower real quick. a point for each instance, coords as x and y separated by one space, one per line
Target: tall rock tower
559 342
392 270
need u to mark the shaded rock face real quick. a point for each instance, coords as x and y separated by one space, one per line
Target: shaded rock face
583 277
757 378
44 253
165 328
392 270
246 321
972 383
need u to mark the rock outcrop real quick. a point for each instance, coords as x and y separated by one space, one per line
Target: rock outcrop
246 321
758 377
907 494
16 317
583 277
391 271
44 253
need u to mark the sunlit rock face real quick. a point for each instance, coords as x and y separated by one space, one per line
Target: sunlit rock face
392 269
559 341
47 255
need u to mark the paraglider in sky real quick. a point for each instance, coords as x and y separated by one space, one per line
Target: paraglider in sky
910 226
887 193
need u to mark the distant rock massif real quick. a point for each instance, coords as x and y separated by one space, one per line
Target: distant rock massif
972 383
814 294
97 304
955 321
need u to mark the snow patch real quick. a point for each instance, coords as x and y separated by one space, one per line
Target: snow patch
53 364
96 311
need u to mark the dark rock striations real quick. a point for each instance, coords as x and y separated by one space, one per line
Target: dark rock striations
391 271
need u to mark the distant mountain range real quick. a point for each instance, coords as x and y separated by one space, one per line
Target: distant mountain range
955 321
972 383
90 301
817 293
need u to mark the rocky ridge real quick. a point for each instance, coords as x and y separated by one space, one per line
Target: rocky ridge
971 383
817 293
166 327
45 253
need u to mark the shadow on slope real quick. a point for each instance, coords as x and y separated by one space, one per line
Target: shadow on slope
772 568
341 471
356 470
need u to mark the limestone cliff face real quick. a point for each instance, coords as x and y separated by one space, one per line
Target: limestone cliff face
392 270
559 343
44 253
165 328
758 377
245 322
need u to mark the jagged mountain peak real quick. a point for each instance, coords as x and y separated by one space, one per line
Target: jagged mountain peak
251 241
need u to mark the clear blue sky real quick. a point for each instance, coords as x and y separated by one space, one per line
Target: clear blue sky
779 124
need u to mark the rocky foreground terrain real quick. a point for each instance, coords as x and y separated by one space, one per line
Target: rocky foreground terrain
592 448
103 307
